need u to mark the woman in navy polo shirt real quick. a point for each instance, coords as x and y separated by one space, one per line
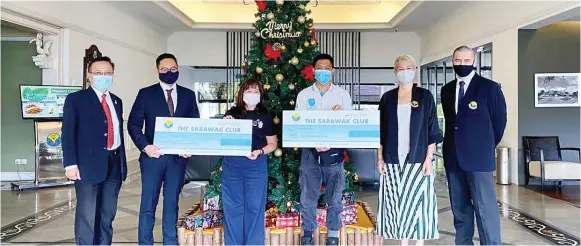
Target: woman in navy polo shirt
245 179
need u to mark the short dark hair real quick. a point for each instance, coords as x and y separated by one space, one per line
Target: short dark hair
101 59
323 56
165 56
463 48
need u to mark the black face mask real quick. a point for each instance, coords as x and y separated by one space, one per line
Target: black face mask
463 70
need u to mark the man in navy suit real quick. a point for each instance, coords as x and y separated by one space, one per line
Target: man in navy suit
163 99
94 153
475 113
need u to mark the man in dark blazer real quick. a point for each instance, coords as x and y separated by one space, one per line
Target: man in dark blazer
94 153
475 113
163 99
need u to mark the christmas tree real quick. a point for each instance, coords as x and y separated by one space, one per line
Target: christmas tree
282 50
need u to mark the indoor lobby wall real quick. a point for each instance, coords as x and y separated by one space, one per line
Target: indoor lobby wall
208 48
132 44
551 49
496 22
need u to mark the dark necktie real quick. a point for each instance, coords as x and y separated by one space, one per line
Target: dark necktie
110 136
461 92
170 102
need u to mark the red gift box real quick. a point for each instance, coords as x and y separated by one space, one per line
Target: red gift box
288 220
348 215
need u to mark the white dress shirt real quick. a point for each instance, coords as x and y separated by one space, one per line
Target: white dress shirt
466 80
311 98
174 93
116 132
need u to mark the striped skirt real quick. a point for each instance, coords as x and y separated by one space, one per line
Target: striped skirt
407 204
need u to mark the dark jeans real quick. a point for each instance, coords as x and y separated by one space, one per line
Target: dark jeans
97 206
312 175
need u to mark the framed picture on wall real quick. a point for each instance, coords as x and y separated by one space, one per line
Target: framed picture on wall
557 90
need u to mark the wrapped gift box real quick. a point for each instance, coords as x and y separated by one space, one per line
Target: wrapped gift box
348 198
212 204
349 214
288 220
203 220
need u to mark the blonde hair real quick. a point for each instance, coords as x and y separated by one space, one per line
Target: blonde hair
401 58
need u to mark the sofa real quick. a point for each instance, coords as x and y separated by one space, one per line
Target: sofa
364 160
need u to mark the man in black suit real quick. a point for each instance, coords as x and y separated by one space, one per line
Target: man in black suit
475 112
163 99
94 153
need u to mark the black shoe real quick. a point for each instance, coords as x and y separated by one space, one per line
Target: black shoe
332 241
307 241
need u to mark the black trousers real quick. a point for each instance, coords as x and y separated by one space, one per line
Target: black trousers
97 206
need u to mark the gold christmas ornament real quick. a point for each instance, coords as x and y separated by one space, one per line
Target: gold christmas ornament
257 34
278 152
292 102
306 44
279 77
356 178
259 70
244 64
310 24
283 47
276 120
266 87
300 50
270 16
301 19
291 86
279 2
313 42
294 61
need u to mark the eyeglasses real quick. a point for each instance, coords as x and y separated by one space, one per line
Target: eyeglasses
165 69
102 73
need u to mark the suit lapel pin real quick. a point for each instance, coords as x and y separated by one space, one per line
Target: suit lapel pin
415 104
473 105
115 101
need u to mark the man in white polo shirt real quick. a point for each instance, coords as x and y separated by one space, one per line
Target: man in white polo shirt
322 165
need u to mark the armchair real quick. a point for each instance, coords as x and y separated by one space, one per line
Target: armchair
543 161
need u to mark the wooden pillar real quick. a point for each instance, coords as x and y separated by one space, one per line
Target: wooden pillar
350 238
316 236
208 239
297 238
343 236
323 238
357 236
217 236
364 237
371 237
199 236
191 239
267 236
378 240
274 239
181 236
289 237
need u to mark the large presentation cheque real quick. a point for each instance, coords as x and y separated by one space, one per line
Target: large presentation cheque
334 129
203 136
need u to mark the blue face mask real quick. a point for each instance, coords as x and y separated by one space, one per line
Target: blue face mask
102 82
169 77
323 76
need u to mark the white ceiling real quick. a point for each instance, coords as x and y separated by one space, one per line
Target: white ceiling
428 13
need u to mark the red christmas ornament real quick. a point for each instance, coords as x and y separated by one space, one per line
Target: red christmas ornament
261 5
244 70
270 53
314 35
322 188
308 73
346 157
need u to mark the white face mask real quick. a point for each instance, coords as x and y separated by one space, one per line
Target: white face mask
251 99
406 76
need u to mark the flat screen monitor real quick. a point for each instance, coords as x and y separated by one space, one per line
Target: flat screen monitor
43 101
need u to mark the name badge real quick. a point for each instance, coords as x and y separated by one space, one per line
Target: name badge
473 105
